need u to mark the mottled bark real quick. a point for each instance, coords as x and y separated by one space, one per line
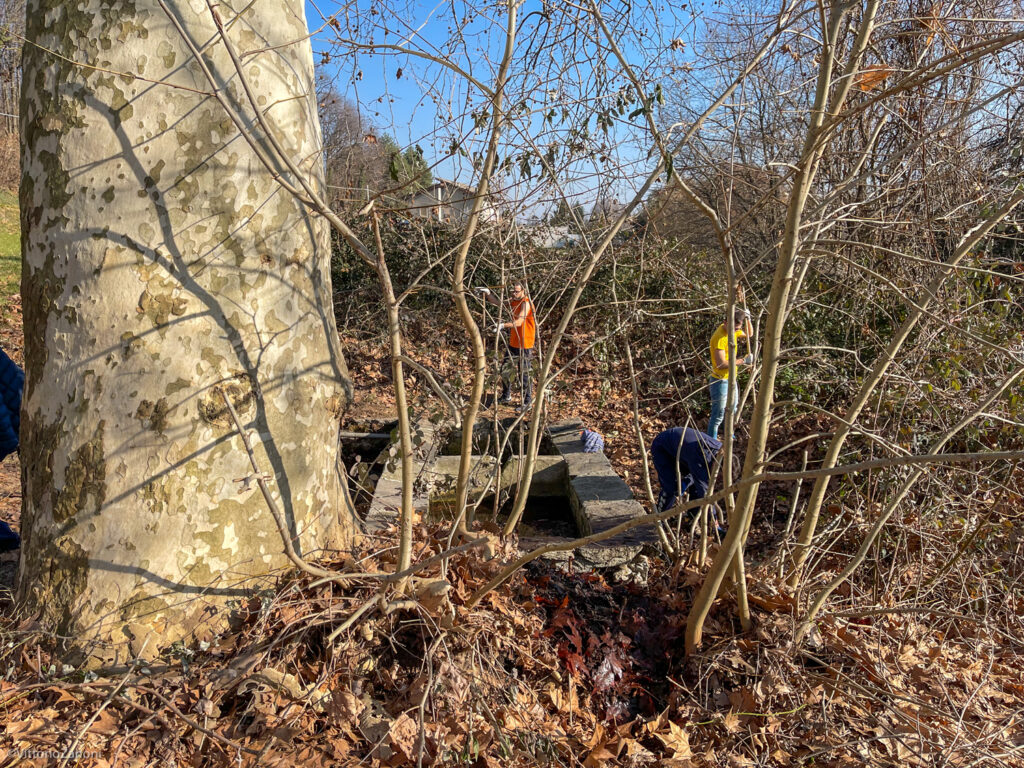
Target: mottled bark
162 260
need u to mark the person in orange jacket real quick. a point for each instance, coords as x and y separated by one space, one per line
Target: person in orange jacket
522 338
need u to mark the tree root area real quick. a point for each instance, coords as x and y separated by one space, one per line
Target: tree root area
552 669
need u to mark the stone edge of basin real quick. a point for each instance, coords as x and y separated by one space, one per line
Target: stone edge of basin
599 498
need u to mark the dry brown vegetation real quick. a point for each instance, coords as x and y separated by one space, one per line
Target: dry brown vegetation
554 669
848 172
912 667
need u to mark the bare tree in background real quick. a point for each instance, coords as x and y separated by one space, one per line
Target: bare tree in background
12 29
354 159
361 160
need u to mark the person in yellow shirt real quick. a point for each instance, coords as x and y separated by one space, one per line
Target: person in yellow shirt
719 382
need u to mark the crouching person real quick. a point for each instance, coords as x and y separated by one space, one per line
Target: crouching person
683 459
12 381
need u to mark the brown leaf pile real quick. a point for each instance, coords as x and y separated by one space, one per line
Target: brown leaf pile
551 669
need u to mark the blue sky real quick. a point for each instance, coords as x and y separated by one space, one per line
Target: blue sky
422 103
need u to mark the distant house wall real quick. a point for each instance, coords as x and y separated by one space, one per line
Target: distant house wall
449 202
554 236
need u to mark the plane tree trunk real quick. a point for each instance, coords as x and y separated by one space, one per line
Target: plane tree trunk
163 264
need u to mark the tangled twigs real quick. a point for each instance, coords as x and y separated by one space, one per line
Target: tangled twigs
483 541
185 719
378 598
106 702
636 522
111 698
354 617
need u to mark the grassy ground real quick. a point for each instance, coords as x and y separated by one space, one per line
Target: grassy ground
10 247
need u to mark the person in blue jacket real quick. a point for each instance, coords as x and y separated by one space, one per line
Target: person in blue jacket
683 459
12 382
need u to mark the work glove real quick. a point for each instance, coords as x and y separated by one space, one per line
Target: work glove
748 360
592 441
499 327
482 290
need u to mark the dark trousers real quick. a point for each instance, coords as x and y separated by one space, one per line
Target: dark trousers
9 540
518 364
670 467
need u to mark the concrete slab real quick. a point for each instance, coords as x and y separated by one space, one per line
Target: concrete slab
529 543
600 500
387 501
442 473
485 437
550 477
387 496
436 476
603 515
601 488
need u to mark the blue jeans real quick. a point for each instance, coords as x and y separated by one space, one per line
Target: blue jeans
719 389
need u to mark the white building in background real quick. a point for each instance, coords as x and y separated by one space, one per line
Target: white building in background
553 236
449 202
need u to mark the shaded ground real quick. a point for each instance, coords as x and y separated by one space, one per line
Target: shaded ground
551 669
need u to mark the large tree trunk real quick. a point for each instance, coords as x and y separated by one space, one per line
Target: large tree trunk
162 262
